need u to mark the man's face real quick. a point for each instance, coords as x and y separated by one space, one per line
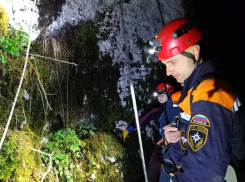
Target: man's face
179 66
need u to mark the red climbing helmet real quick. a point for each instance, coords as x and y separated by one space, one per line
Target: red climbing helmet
162 87
176 36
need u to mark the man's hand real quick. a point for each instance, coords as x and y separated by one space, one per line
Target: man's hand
125 134
172 134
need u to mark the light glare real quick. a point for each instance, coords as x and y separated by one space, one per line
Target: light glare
151 51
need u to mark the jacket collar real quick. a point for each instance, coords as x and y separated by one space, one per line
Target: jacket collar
198 72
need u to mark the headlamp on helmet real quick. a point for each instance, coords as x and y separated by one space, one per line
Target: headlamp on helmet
165 87
155 46
183 29
155 94
159 92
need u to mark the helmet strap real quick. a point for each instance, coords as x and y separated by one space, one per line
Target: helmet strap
198 61
191 56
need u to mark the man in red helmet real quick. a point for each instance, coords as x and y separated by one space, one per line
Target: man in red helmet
202 143
163 92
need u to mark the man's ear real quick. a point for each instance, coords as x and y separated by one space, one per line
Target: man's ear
196 51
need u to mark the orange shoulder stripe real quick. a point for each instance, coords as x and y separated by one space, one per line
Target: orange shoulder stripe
185 104
212 90
217 91
176 96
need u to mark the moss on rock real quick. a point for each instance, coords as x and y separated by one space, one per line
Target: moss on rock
101 160
17 160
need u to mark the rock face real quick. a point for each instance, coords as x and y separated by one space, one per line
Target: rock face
130 25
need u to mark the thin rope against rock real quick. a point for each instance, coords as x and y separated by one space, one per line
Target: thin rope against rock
21 81
42 101
67 108
41 85
62 107
54 59
30 102
50 161
59 83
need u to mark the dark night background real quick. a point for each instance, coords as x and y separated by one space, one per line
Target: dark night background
225 34
224 22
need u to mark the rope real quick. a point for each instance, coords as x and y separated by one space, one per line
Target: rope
21 81
30 103
138 129
132 91
62 108
59 83
160 11
41 85
54 59
67 99
67 109
50 161
44 112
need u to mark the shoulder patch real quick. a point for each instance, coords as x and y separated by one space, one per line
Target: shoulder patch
201 120
197 136
183 141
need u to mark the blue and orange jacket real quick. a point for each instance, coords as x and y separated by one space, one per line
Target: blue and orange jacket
153 114
206 129
170 112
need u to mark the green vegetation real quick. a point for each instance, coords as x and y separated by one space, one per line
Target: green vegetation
66 146
92 158
13 44
10 43
17 161
85 129
87 31
97 157
10 48
103 155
